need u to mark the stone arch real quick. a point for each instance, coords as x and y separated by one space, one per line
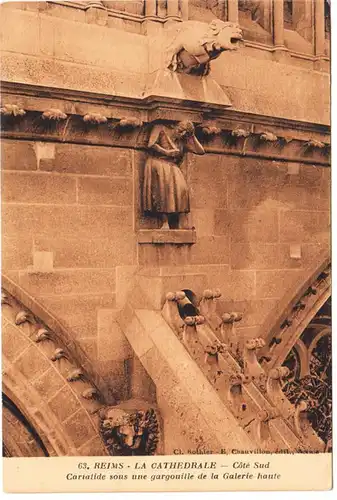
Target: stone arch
20 438
302 353
310 378
291 316
48 380
324 332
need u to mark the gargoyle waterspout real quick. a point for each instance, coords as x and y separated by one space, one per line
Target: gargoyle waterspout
196 44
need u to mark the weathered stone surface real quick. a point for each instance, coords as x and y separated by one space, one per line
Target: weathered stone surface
18 155
111 342
13 342
49 189
64 403
260 225
85 253
208 181
89 160
89 346
210 250
93 448
31 364
100 191
16 253
253 310
69 282
300 226
271 284
79 427
271 256
79 313
49 383
254 182
255 256
84 221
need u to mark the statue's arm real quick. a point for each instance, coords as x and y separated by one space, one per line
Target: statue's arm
172 153
194 146
159 137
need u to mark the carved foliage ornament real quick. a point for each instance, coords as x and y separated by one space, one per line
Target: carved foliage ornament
129 432
196 44
12 110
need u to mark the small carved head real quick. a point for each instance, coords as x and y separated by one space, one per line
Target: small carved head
222 36
128 432
185 129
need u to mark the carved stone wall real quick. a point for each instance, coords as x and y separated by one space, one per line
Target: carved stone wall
59 52
72 215
76 120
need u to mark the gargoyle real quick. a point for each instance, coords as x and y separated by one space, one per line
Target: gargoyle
196 44
129 432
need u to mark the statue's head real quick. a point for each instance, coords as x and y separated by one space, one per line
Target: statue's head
129 432
128 428
185 129
222 36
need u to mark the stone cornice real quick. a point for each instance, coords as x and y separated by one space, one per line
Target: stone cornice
221 130
154 106
117 13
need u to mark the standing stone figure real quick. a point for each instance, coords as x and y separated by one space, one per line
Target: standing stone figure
165 190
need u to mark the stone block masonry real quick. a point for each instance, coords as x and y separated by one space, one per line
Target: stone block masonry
84 91
78 205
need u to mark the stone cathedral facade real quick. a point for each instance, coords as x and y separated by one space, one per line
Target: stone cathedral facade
165 227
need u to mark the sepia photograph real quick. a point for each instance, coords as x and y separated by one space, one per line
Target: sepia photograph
166 264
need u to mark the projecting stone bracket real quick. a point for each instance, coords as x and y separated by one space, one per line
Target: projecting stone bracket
171 236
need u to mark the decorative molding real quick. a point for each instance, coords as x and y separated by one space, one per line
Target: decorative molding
252 367
209 130
42 334
213 350
90 393
114 13
313 143
54 114
48 335
59 354
12 110
166 109
94 118
268 137
21 317
76 374
230 318
130 123
240 132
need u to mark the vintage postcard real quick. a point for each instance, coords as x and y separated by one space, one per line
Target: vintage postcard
166 266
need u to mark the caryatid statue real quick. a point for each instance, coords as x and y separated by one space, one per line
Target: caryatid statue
165 192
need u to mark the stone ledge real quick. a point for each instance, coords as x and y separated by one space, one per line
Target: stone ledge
167 236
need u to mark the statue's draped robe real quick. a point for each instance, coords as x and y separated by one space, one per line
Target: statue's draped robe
165 189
